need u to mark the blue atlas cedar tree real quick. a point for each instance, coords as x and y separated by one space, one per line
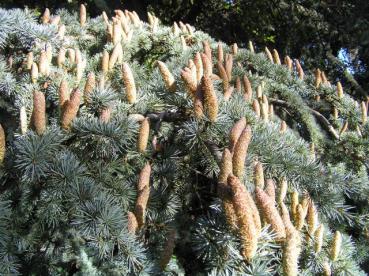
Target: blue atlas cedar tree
135 148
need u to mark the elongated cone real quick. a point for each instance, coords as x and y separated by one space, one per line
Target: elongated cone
34 72
247 89
61 31
132 223
286 218
105 62
198 103
283 127
324 77
234 49
80 70
235 133
294 204
223 75
116 56
364 113
220 53
246 226
300 71
184 43
336 246
276 58
312 218
251 47
199 66
256 107
283 187
225 166
271 111
300 217
318 78
129 83
167 76
55 20
167 252
71 55
238 84
2 145
61 58
269 55
144 177
339 90
82 15
207 65
46 16
29 61
43 64
175 29
141 204
327 269
343 128
229 66
258 175
49 52
210 98
109 32
240 152
143 136
270 213
70 109
63 94
207 49
39 112
89 86
318 239
288 62
291 254
259 92
23 119
270 188
190 82
117 32
335 113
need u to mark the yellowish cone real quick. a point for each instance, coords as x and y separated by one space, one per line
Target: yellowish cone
167 76
143 136
282 191
240 152
82 15
210 98
70 109
291 254
39 112
336 246
2 145
235 132
129 83
132 224
23 119
318 239
276 58
259 175
89 86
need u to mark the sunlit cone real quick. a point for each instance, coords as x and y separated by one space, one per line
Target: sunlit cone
318 239
109 32
210 98
55 20
246 227
70 109
283 127
300 71
259 92
39 112
43 64
270 213
234 49
229 66
190 29
335 113
136 117
358 131
61 58
286 218
269 55
116 56
80 69
29 60
105 17
291 254
305 202
294 203
167 76
225 166
45 16
324 77
312 218
339 90
288 62
190 82
63 93
175 29
183 42
256 107
264 109
117 32
336 245
2 145
71 54
300 217
34 72
240 152
23 120
143 136
207 49
198 103
276 58
318 78
343 128
220 53
235 132
129 83
132 224
89 86
144 177
247 88
61 31
270 188
141 204
364 113
225 194
282 191
327 269
258 175
223 75
105 62
207 65
167 251
192 67
199 66
251 47
82 15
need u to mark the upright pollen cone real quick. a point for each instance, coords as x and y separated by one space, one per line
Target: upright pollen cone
129 83
210 98
39 112
143 136
167 76
2 144
240 152
70 109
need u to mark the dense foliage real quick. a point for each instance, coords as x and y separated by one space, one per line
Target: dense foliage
133 148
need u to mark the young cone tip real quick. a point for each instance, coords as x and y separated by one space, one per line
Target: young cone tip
210 98
39 112
129 83
71 109
143 136
236 131
240 152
